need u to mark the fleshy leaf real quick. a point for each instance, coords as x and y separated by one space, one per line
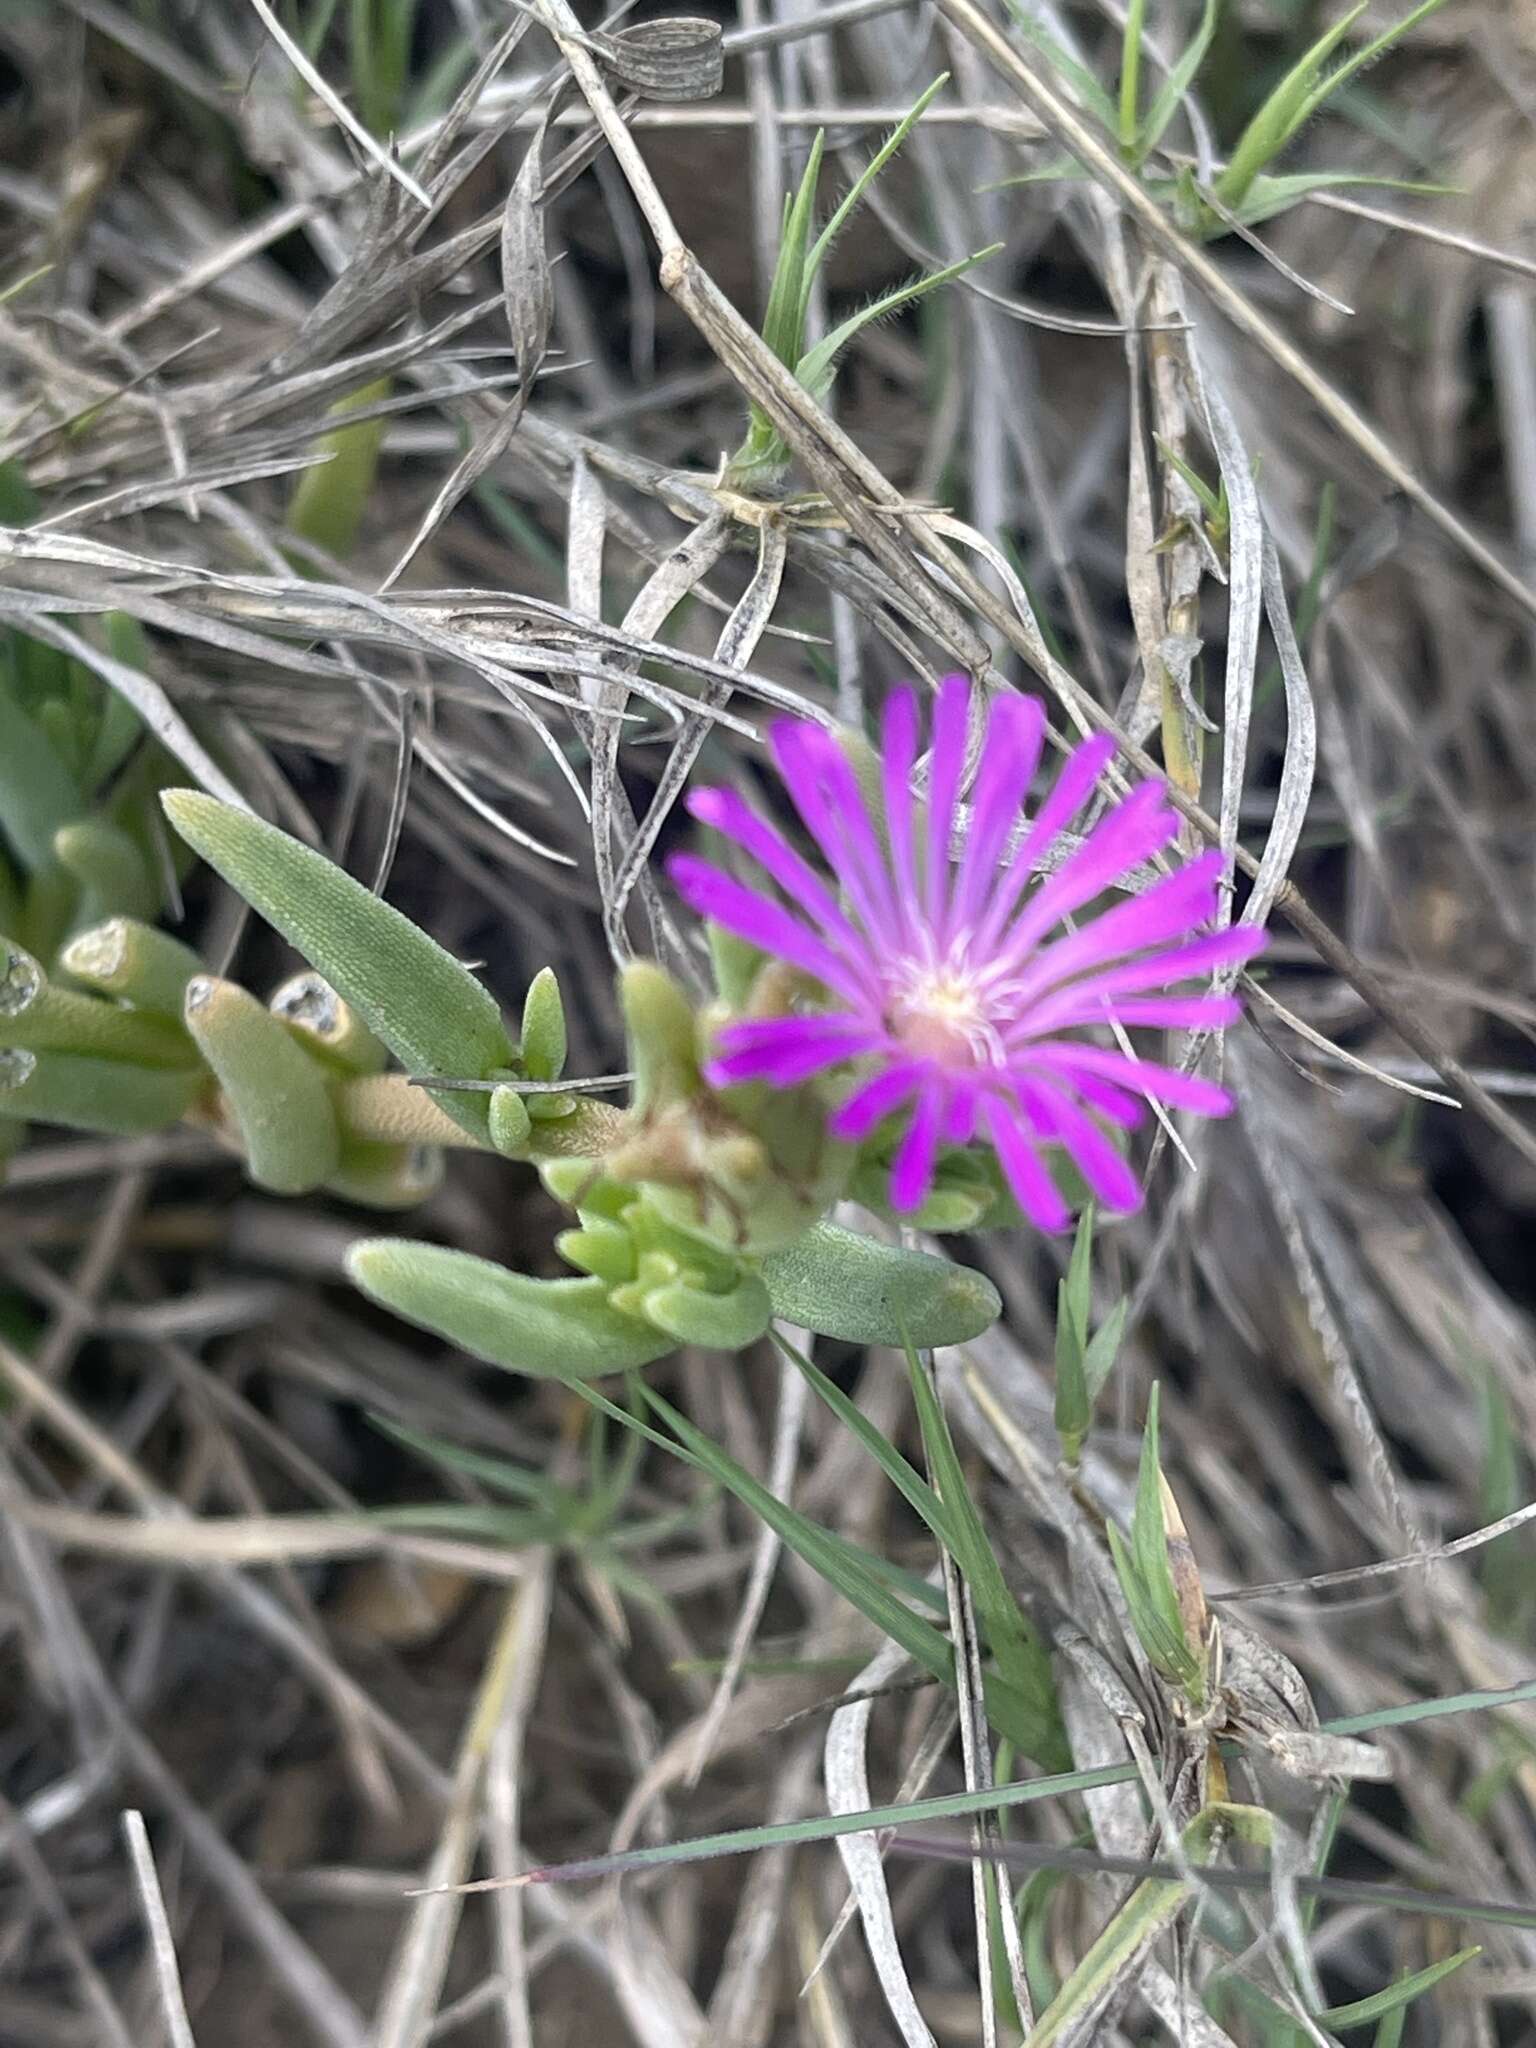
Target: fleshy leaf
543 1046
274 1091
133 962
431 1012
843 1285
558 1329
86 1094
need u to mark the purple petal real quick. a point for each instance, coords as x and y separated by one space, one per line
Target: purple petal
1033 1189
786 1050
898 753
1074 1001
1066 797
960 1113
869 1105
1106 1172
950 714
912 1168
1107 1100
1015 732
716 895
1165 1013
1167 910
827 796
1137 828
726 812
1069 1059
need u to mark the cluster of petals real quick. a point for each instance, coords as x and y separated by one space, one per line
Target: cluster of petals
953 991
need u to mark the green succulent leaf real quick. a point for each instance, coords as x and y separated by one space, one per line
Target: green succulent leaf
842 1285
276 1093
87 1094
554 1329
543 1035
134 962
431 1012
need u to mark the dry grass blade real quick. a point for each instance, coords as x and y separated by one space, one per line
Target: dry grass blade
162 1947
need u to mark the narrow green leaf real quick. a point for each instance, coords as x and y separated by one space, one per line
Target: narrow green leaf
844 1285
1269 195
1403 1992
1083 82
814 369
1104 1349
1022 1660
868 175
431 1012
1165 102
1366 54
904 1476
784 318
1130 73
1272 126
549 1329
833 1561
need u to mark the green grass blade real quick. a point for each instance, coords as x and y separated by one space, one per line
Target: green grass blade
815 367
1167 99
866 178
1363 2010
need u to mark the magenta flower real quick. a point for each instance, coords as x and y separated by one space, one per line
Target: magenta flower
943 992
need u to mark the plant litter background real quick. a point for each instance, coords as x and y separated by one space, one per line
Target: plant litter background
1257 484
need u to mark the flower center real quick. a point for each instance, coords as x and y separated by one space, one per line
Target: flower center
940 1015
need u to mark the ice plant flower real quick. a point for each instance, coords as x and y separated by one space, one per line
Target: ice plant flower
947 989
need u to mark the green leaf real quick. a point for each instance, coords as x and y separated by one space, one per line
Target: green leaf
1104 1349
431 1012
37 792
1269 195
868 175
903 1475
1272 126
275 1092
114 877
1146 1578
133 962
1083 82
1022 1661
727 1320
549 1329
1130 73
37 1014
847 1286
543 1033
838 1565
86 1094
784 318
1074 1407
814 369
1403 1992
1165 103
329 501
